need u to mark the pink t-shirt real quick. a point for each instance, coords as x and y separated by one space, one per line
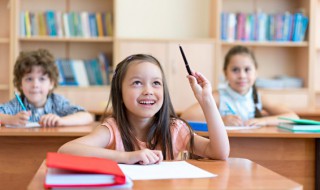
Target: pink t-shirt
180 135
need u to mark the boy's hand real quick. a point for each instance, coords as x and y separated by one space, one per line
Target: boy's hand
50 120
21 118
144 157
232 120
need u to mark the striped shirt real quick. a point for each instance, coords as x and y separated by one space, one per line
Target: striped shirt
55 104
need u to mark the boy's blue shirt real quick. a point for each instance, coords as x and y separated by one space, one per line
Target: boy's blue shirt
55 104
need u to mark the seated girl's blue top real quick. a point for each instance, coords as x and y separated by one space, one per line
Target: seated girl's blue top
233 103
55 104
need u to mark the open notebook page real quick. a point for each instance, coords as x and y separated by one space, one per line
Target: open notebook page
28 125
164 170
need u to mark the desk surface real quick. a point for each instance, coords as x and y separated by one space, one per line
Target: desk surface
77 131
235 173
70 131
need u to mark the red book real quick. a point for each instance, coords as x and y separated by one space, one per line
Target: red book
64 170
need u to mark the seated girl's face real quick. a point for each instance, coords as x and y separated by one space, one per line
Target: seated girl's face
36 86
241 73
142 90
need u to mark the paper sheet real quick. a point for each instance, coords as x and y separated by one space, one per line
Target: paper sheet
164 170
230 128
28 125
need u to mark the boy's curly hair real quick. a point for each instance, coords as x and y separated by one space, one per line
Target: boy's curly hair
28 59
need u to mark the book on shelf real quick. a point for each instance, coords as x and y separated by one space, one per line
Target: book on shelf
76 72
65 24
261 26
65 170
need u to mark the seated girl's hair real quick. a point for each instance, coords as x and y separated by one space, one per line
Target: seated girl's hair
159 134
28 59
244 50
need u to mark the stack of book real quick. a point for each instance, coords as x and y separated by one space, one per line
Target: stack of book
70 171
300 125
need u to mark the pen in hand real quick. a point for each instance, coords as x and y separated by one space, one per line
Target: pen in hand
185 60
230 109
20 101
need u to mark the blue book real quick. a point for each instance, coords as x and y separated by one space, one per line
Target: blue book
60 70
51 23
198 126
93 25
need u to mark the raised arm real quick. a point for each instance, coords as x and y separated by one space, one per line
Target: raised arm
217 146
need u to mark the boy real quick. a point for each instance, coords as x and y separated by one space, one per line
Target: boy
35 77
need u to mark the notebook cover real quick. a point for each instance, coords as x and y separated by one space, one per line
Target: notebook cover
85 164
302 121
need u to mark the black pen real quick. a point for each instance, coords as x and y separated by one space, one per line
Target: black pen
185 60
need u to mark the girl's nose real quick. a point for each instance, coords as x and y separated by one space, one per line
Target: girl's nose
148 90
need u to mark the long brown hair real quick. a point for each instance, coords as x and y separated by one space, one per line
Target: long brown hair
159 133
244 50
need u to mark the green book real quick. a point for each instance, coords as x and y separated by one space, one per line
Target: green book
300 125
301 121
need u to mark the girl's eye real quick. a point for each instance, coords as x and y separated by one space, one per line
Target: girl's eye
235 70
247 69
136 83
157 83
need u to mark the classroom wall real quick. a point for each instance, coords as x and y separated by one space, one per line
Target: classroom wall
162 19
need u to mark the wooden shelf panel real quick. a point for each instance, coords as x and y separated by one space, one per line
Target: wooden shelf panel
64 39
80 88
284 90
4 87
264 44
4 40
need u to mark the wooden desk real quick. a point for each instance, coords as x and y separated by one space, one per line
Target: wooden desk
313 113
292 155
235 173
23 150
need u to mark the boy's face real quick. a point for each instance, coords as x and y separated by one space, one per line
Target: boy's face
36 86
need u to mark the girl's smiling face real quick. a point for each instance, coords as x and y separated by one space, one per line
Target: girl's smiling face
142 90
241 73
36 86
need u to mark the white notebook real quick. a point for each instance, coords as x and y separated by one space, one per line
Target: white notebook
164 170
28 125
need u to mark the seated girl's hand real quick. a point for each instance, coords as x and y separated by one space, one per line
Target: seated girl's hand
256 121
50 120
200 85
144 157
21 118
232 120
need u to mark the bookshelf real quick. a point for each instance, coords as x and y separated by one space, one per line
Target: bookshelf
158 27
5 49
71 46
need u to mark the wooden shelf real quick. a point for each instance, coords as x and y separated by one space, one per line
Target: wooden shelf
4 87
80 88
64 39
4 40
266 44
285 90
